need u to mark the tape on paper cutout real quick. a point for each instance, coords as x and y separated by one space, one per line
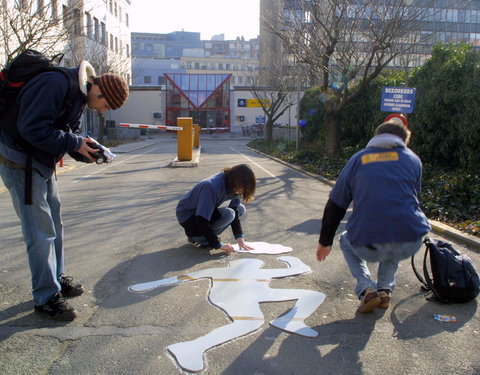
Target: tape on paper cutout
238 290
263 248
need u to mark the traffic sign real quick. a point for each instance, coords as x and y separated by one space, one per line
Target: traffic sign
398 99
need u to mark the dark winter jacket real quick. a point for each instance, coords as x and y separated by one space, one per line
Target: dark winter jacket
49 135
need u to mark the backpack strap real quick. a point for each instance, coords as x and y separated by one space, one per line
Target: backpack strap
415 271
428 279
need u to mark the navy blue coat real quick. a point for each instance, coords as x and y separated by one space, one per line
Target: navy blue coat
39 122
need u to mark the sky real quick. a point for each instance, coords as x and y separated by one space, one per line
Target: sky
208 17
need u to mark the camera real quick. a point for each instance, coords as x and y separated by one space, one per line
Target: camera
103 154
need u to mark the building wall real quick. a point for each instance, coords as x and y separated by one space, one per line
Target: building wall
141 105
32 19
447 21
244 71
104 37
149 72
144 101
180 52
248 116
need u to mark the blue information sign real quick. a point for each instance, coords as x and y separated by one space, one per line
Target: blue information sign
398 99
260 119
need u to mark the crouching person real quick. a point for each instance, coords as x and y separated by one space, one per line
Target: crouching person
387 224
201 216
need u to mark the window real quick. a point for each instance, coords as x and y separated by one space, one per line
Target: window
128 50
161 80
65 15
96 29
89 30
111 42
147 79
127 20
103 36
111 6
40 7
20 4
76 21
54 9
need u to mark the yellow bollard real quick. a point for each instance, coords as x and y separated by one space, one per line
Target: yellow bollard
196 136
185 138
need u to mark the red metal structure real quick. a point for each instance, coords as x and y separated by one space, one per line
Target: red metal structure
204 97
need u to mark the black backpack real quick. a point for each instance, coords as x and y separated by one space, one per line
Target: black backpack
452 277
17 73
13 77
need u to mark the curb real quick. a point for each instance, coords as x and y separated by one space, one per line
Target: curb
175 163
437 227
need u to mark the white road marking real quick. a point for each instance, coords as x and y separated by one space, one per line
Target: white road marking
256 164
108 166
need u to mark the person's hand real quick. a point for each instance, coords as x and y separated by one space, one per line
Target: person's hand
85 149
322 252
227 247
242 244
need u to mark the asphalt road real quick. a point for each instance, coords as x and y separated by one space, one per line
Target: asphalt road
120 229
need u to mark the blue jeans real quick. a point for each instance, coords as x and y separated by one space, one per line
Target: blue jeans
227 215
388 256
42 229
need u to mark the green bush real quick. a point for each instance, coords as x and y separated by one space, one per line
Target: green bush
446 120
445 132
452 198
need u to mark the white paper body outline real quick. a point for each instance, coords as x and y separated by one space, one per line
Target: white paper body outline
263 248
231 290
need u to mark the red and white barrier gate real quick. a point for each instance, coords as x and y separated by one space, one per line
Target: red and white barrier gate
145 126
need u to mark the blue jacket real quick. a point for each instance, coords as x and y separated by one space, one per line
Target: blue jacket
49 136
382 181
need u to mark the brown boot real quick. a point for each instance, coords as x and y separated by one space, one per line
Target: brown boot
369 301
385 296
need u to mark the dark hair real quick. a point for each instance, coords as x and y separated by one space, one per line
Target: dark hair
395 129
241 178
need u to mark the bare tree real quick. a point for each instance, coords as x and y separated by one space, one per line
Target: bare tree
343 42
102 60
274 103
273 88
33 24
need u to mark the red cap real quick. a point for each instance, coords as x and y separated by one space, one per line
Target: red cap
396 115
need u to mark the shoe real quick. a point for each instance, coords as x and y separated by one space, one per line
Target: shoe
385 296
369 300
199 245
69 288
57 309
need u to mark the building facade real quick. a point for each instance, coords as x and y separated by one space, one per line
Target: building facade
93 30
437 21
184 52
